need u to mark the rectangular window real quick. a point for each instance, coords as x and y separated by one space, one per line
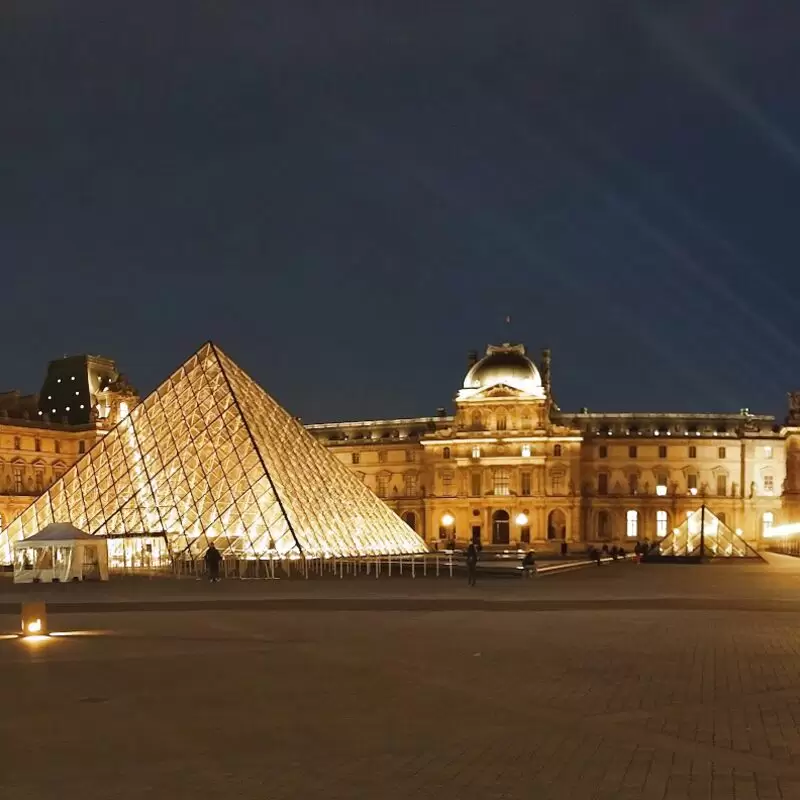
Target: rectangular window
602 451
501 423
410 482
692 451
691 483
81 446
602 483
17 443
39 478
767 452
769 484
526 451
447 482
383 485
722 485
476 451
37 445
632 451
476 489
18 485
383 456
355 458
57 444
502 482
662 482
662 451
722 518
721 452
633 483
410 456
525 484
662 522
558 483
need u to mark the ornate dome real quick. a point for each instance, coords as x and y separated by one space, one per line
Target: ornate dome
506 364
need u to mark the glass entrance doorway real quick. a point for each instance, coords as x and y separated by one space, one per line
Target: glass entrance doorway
500 527
138 553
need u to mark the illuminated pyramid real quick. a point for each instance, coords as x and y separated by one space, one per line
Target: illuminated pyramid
209 455
704 534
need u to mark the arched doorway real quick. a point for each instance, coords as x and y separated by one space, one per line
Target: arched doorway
556 524
501 527
410 519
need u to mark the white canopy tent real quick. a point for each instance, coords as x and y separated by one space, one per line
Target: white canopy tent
60 552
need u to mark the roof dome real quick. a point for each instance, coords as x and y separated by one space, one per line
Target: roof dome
506 364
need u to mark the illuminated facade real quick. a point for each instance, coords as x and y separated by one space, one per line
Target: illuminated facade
209 456
511 468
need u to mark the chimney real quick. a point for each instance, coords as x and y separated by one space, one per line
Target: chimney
441 412
472 358
545 371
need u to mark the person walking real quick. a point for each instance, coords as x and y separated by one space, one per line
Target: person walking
213 558
529 565
472 563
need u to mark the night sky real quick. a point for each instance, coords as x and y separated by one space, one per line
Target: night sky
348 197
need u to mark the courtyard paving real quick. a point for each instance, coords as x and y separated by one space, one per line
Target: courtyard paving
655 682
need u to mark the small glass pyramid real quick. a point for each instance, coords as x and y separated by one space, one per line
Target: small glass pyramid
702 533
209 455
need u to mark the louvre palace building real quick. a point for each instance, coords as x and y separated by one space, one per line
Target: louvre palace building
508 468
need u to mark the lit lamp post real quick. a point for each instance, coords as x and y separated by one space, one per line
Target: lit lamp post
448 521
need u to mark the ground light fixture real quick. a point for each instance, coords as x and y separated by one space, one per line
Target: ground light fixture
34 619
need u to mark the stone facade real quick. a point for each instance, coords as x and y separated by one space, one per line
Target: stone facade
511 468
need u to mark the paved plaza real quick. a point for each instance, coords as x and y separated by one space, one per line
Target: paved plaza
651 681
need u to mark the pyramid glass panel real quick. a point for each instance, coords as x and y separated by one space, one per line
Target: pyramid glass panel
210 456
702 533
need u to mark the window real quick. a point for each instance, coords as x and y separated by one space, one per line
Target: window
476 451
410 455
37 445
558 482
769 484
476 421
662 482
446 452
57 444
633 483
447 482
602 451
57 472
691 483
692 451
766 522
383 456
557 451
662 523
526 421
502 482
410 484
603 525
383 485
722 518
525 534
721 453
525 484
662 451
39 481
767 452
602 483
501 422
632 451
81 446
355 458
18 486
722 485
476 484
632 524
16 443
526 451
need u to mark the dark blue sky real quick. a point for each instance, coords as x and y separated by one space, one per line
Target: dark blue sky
349 196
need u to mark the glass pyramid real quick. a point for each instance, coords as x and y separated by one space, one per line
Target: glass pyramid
703 530
209 455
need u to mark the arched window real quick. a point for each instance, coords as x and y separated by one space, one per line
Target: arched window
632 524
502 422
446 452
475 421
410 519
662 523
557 451
767 521
526 421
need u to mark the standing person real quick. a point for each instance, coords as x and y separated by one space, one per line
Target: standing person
213 558
472 563
529 564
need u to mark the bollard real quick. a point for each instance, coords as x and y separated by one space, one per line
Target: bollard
437 565
390 565
412 567
451 566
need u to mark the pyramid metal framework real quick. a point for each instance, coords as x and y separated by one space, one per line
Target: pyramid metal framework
209 455
703 533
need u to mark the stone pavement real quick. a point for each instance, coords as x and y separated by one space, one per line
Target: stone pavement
603 686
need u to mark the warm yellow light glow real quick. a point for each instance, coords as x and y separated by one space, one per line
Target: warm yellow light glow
35 638
661 491
123 410
35 626
738 531
522 519
448 520
780 531
692 491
